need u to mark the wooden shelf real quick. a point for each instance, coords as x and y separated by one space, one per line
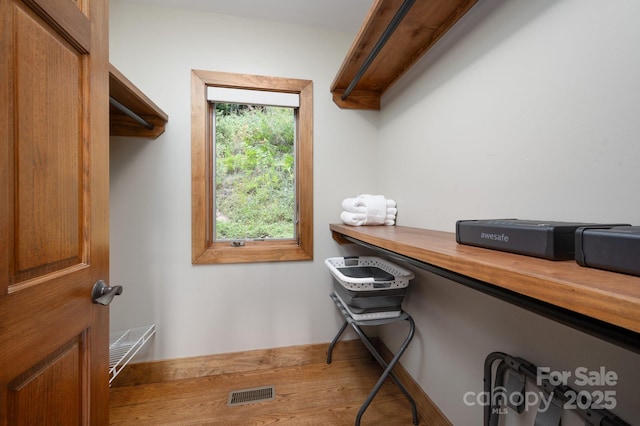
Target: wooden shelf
127 94
611 298
422 26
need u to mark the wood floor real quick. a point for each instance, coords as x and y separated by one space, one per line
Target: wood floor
310 393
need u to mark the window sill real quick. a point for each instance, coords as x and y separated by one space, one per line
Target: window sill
251 252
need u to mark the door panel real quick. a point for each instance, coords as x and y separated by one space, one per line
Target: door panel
53 211
59 370
49 151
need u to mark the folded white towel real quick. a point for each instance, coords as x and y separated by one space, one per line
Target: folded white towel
368 209
353 219
360 219
390 203
376 208
354 205
362 203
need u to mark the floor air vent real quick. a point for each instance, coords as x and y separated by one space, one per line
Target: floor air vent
249 396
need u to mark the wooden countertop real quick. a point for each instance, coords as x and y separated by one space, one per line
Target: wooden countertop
607 296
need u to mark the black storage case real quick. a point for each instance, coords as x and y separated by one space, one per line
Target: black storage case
548 240
614 249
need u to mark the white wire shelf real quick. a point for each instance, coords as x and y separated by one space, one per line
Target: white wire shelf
124 345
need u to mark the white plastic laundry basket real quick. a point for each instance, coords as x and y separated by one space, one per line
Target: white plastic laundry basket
401 276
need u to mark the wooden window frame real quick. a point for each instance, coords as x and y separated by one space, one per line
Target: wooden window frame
203 249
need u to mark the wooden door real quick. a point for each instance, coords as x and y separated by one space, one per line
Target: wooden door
53 211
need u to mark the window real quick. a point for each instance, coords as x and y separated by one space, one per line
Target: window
229 180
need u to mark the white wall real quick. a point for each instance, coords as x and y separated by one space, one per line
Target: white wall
210 309
526 109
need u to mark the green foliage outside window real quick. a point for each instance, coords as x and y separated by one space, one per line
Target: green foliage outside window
254 172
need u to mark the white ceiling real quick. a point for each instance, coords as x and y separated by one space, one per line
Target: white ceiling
343 15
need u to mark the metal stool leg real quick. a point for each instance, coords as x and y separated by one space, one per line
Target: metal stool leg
369 345
335 340
387 370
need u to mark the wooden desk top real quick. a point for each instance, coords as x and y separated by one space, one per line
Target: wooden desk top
607 296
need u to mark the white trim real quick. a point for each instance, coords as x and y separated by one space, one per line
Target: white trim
252 97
